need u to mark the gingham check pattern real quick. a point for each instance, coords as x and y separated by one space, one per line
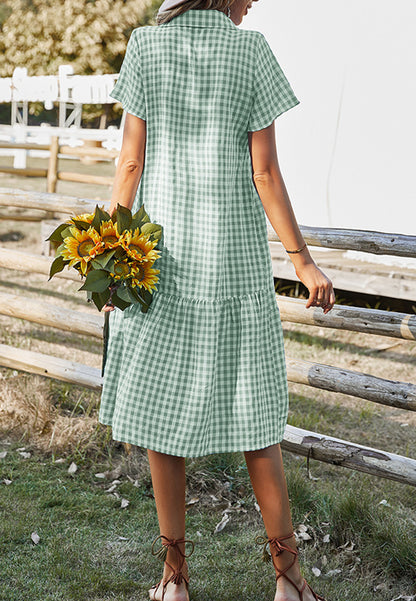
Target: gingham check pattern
203 371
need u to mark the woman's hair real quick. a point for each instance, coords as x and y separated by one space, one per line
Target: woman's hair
167 15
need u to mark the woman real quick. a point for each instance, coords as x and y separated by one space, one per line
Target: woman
203 371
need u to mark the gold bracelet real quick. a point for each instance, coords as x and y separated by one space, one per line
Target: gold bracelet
298 250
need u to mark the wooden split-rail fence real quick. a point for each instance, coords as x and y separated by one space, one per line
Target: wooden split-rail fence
325 377
52 173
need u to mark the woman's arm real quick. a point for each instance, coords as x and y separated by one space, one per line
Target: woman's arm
129 167
274 197
130 163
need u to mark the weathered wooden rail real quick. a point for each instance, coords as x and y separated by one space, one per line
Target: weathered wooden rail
51 173
325 448
362 240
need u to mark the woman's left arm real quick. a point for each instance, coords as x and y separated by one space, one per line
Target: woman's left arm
269 183
130 163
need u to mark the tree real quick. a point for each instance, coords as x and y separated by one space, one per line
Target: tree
91 35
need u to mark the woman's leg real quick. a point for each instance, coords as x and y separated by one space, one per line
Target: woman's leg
265 467
169 482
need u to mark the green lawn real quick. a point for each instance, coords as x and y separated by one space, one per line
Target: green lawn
90 548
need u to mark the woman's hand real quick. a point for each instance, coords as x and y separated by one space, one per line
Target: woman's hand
321 292
108 308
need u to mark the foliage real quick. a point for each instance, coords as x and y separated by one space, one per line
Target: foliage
90 35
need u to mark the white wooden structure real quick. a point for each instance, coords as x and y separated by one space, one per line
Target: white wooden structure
70 92
347 151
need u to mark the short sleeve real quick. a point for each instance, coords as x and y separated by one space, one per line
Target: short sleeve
129 88
272 93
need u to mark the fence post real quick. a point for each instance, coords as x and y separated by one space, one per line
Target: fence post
52 176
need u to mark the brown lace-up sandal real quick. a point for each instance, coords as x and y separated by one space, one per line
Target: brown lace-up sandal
279 547
177 575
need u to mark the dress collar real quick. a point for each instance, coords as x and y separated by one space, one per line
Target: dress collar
197 17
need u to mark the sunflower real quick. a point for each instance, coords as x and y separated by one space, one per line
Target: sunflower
124 270
87 217
139 247
109 234
81 247
146 276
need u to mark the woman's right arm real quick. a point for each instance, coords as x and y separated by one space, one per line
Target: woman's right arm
275 199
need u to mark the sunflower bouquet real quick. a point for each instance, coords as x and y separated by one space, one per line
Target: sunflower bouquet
114 253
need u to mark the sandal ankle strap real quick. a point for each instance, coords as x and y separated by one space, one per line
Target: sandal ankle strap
277 545
177 575
171 542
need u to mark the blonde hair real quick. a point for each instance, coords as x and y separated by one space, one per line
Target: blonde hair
167 15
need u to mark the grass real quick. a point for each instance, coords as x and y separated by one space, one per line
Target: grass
91 548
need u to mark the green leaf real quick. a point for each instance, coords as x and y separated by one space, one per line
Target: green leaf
136 223
131 295
153 230
95 264
100 261
138 297
56 235
123 293
104 215
95 223
57 265
146 295
119 302
110 265
60 248
99 217
123 218
139 219
67 232
100 298
96 281
81 225
140 213
108 256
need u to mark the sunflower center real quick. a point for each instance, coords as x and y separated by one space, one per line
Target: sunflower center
85 247
140 275
137 249
109 239
121 269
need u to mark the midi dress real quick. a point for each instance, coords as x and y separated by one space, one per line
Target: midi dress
203 371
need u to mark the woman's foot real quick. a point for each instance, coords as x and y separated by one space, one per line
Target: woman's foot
173 592
285 591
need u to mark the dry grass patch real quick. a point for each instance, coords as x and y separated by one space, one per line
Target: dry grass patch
26 411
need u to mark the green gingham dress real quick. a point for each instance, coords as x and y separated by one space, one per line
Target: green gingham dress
203 371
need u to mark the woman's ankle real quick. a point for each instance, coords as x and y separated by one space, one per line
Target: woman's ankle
293 572
168 572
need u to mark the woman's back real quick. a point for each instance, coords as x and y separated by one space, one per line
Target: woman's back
201 84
